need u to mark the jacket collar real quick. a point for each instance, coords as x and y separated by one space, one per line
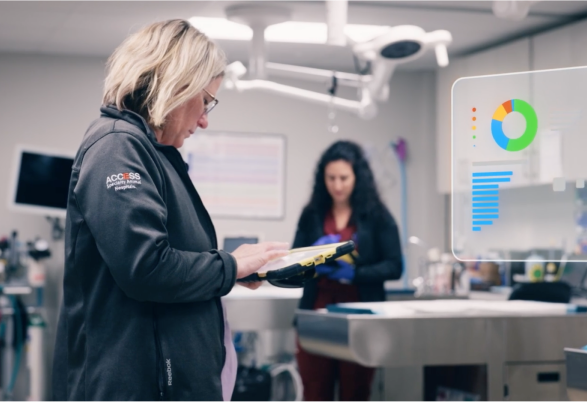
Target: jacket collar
136 119
132 118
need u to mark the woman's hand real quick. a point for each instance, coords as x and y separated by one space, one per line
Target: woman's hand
251 257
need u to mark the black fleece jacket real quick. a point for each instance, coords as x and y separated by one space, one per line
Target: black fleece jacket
380 257
141 317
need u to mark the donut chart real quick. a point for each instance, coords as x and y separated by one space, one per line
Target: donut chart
516 144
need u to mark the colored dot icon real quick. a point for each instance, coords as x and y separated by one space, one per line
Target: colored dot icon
527 111
474 127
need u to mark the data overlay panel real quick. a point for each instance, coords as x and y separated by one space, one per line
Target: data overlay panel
519 165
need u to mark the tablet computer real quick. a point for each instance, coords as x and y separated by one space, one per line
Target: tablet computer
299 265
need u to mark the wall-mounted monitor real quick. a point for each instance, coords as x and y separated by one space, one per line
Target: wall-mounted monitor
40 181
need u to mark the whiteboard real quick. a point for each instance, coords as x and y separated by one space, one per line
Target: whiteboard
238 175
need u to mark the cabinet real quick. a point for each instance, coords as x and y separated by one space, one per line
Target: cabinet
536 382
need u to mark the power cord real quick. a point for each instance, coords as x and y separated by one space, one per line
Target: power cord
57 230
361 71
279 368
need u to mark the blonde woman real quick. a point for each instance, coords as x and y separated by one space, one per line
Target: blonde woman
141 316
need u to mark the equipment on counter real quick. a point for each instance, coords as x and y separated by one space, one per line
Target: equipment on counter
439 274
21 271
21 263
552 292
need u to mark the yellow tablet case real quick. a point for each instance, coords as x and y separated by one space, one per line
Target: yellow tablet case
294 276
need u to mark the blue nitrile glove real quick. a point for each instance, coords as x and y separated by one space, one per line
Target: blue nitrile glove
343 272
325 269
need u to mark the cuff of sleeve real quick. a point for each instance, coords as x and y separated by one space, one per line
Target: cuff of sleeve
229 272
358 278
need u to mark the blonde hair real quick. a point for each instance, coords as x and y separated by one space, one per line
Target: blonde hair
159 68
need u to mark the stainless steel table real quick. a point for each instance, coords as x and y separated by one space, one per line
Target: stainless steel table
519 342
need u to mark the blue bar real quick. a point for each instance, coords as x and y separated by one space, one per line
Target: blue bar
482 222
485 204
485 198
485 187
476 229
485 216
485 192
489 174
485 210
491 180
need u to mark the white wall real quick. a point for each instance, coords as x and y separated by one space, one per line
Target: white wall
560 48
48 101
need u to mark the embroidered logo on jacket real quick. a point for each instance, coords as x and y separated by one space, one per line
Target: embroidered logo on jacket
123 181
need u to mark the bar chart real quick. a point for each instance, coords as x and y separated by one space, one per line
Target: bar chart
485 199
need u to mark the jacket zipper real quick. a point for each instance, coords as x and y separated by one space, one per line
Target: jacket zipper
222 329
181 169
160 379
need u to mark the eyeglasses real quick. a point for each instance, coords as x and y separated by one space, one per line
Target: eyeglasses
209 105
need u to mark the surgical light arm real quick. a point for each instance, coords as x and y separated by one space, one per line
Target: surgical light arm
317 75
397 45
365 108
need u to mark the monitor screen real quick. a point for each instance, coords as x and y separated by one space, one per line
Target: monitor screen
42 181
232 243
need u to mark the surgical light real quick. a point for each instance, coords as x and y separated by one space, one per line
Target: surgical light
379 48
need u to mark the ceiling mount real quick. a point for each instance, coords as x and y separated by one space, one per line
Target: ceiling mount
257 14
258 17
514 10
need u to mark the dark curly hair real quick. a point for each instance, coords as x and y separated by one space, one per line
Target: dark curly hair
364 198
